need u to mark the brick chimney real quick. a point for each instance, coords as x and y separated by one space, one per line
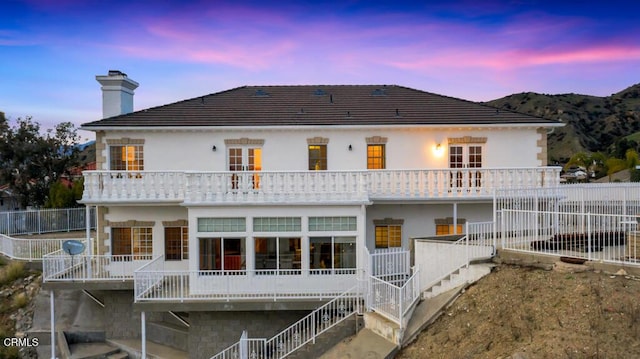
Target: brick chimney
117 93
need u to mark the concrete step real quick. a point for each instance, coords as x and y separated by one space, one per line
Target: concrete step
120 355
154 351
451 281
169 334
92 350
383 327
329 339
365 344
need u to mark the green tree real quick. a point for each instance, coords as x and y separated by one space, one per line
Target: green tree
31 161
581 159
631 157
615 165
60 196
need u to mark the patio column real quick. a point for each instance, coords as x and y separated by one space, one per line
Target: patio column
53 326
455 218
87 220
144 335
87 216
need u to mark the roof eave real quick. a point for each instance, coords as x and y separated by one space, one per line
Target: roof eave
298 127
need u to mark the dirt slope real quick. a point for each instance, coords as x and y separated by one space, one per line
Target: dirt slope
526 313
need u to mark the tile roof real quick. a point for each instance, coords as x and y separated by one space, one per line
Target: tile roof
319 105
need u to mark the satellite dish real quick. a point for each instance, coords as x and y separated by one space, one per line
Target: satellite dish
73 247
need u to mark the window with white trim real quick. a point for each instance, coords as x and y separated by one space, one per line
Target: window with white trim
176 243
126 157
136 241
335 252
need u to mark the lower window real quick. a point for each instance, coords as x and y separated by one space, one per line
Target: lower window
388 236
326 254
279 253
445 226
136 242
222 254
176 243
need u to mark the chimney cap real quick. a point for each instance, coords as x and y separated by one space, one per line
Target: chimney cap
117 73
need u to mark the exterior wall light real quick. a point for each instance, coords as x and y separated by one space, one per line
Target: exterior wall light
438 150
350 148
214 148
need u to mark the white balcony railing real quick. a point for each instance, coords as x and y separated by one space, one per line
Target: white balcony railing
309 186
61 267
153 283
29 249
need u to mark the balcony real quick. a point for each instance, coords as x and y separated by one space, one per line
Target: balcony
300 187
59 267
155 284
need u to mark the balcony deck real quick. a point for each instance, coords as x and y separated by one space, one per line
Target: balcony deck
249 285
93 271
291 187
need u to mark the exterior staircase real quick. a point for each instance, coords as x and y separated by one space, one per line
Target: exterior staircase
301 338
383 338
329 339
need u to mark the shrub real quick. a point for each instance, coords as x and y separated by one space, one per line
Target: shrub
12 271
20 300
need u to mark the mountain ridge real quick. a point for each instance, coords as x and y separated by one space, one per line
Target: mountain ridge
592 123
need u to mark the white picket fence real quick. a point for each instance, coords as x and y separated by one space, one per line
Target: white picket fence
45 221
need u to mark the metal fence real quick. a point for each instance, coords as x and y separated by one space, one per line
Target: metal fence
603 198
29 249
61 267
45 221
605 237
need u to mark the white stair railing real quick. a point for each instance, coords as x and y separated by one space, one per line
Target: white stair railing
392 301
304 331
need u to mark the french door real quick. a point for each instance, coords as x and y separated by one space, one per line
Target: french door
222 253
245 162
467 157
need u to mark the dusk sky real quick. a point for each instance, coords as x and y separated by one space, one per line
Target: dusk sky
51 50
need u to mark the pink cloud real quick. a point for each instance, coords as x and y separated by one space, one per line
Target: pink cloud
514 59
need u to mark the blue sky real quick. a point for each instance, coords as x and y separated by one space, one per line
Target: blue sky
51 50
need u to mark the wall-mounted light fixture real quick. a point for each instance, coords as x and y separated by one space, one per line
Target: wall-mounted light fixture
438 150
214 148
350 148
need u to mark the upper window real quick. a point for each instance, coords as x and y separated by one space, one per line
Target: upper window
277 224
332 224
231 224
126 158
317 157
376 157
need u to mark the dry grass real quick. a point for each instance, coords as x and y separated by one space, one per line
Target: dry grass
11 272
533 313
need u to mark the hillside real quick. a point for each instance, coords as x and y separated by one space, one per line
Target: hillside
526 313
592 123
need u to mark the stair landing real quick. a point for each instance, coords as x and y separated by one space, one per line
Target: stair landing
154 350
366 344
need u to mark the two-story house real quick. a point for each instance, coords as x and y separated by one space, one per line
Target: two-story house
245 209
